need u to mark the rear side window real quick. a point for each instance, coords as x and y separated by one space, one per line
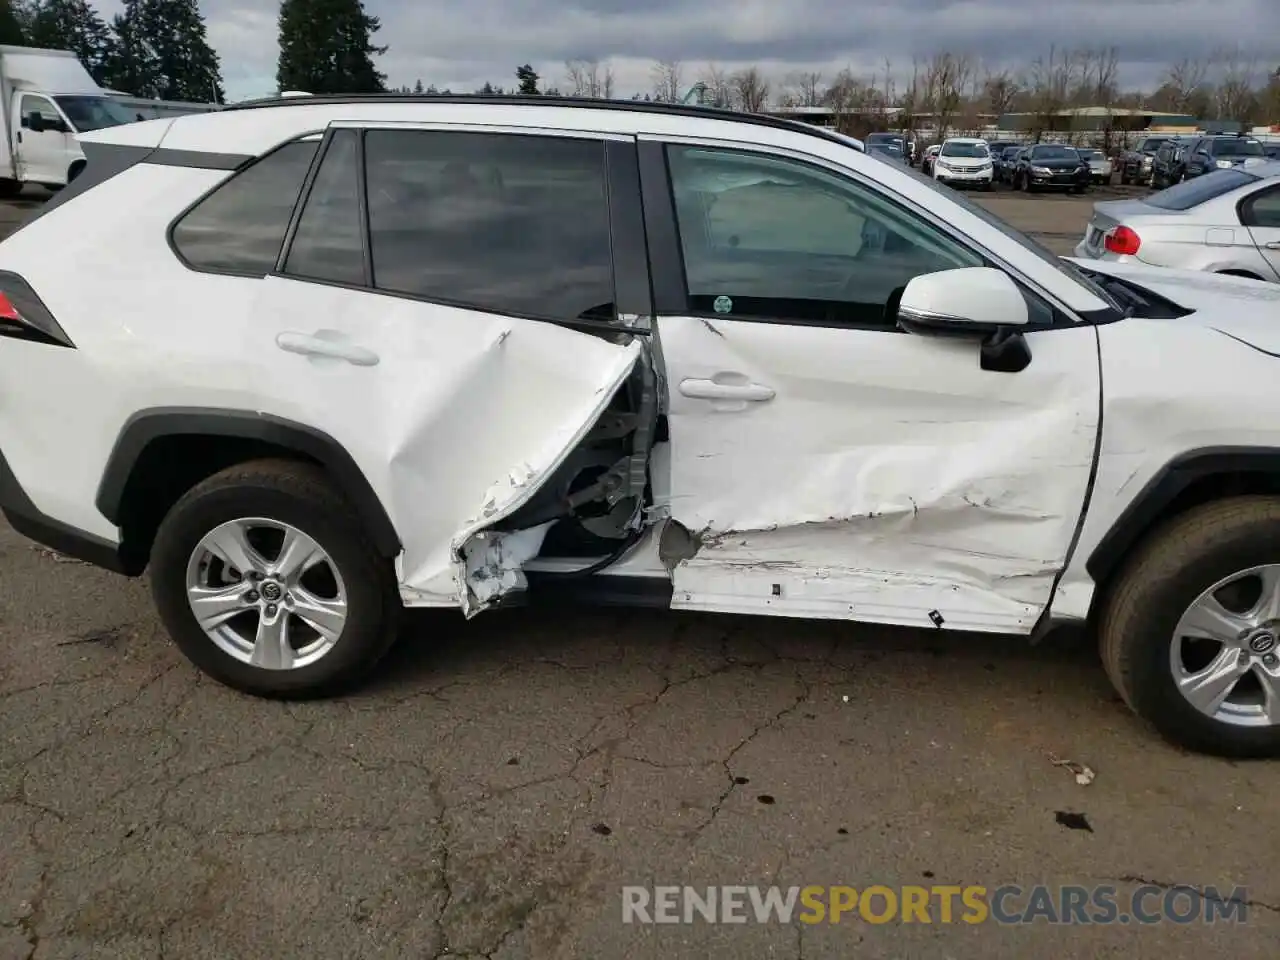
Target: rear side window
240 227
329 241
1262 209
509 223
1192 193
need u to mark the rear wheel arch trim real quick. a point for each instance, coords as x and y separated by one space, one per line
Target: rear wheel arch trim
147 426
1171 480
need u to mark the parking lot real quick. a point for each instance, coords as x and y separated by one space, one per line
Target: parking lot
493 789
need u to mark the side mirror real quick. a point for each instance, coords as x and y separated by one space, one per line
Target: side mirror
35 122
966 301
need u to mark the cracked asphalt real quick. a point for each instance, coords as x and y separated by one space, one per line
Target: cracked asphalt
494 787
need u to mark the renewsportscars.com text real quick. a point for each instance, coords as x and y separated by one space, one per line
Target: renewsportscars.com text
878 904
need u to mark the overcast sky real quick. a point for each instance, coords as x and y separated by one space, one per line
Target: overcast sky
461 45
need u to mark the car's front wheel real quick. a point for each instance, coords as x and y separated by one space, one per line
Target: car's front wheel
1190 636
264 578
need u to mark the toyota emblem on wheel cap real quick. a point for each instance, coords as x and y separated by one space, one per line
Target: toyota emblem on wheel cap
1263 642
272 591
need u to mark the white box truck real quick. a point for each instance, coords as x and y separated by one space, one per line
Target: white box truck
48 97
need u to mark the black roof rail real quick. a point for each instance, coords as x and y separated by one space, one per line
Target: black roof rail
581 103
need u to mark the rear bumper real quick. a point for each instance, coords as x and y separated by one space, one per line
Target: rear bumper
25 517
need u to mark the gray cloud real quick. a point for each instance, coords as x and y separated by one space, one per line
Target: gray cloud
464 45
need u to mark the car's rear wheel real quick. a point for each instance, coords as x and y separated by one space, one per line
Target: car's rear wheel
1190 636
266 581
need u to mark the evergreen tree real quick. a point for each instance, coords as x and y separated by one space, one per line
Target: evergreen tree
72 25
187 67
11 31
528 80
162 50
326 46
132 66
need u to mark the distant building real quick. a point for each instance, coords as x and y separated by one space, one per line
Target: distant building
1118 119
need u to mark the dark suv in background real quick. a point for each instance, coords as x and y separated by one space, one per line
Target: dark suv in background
1169 166
1222 153
1136 164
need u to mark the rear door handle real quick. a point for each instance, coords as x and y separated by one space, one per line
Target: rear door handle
715 390
324 344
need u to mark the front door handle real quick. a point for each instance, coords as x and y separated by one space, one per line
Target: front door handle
716 390
325 344
1272 245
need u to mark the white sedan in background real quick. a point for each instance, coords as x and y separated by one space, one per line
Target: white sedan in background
1227 222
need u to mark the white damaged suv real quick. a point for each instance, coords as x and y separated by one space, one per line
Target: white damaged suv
314 360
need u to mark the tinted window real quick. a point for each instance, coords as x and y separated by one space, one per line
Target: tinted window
1263 209
1237 148
773 238
241 225
1191 193
329 241
506 222
1054 153
972 150
1151 145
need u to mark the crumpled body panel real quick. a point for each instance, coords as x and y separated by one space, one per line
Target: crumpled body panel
888 479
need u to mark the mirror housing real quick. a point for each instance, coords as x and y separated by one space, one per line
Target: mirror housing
35 122
972 301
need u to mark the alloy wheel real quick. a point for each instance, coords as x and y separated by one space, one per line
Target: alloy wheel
1225 651
266 594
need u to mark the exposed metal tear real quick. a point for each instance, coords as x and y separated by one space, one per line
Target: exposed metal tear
494 563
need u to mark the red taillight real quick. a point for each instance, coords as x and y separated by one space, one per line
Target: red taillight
7 310
1123 241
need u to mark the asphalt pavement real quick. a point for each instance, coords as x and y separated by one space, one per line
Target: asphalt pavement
501 781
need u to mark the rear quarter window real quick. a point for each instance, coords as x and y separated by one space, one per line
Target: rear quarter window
239 227
1192 193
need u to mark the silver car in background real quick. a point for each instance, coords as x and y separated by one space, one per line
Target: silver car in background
1227 221
1099 164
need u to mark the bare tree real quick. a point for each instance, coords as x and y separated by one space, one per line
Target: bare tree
999 91
1183 82
718 86
849 99
1096 85
1235 97
946 78
808 88
667 85
752 90
1052 79
588 78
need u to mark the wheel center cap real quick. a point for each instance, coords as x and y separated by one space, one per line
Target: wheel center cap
271 592
1264 641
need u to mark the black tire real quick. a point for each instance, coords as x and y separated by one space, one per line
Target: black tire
1125 180
301 495
1158 583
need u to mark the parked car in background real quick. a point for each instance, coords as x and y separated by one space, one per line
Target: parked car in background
890 144
1272 150
1051 166
1005 161
964 162
1099 164
926 163
1135 164
1169 165
1222 153
1227 221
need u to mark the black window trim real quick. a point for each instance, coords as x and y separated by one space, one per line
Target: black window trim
1244 207
628 249
670 283
182 214
304 195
